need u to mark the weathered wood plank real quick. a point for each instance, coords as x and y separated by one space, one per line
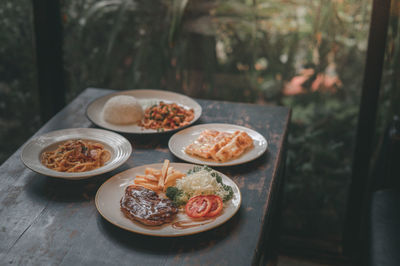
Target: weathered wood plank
51 221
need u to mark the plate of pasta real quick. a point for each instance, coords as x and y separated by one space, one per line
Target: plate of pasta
143 111
76 153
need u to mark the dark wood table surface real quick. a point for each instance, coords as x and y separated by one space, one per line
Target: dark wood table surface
49 221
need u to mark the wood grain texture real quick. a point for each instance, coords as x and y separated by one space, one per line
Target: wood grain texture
47 221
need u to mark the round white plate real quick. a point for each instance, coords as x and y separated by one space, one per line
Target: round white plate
146 99
108 198
180 140
117 145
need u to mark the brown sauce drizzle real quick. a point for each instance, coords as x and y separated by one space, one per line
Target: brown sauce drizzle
184 224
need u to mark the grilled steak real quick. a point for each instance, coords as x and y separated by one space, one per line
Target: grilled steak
144 205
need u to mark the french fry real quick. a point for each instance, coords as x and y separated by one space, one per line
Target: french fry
152 171
172 177
170 170
164 171
144 181
153 187
157 174
138 180
159 180
151 178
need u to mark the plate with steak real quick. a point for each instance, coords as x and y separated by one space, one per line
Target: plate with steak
141 210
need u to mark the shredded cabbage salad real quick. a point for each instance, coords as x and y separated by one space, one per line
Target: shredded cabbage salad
201 180
201 183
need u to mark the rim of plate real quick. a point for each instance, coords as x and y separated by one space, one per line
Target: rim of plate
141 131
119 146
259 141
99 209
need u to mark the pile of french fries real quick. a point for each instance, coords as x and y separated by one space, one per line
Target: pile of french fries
158 180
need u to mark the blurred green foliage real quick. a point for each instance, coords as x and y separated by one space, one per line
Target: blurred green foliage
19 110
306 54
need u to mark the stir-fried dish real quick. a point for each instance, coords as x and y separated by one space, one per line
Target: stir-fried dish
164 116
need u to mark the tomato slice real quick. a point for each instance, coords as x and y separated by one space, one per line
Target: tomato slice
216 205
198 206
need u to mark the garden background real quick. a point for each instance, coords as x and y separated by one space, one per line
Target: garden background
308 55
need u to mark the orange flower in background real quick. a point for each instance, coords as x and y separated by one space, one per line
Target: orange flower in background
294 86
326 83
323 82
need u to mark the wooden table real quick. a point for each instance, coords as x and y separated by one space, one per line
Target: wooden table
48 221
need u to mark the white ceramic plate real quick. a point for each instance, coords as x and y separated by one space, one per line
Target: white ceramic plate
117 145
146 99
180 140
110 193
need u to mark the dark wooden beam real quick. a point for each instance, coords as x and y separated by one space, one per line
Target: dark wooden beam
48 37
366 128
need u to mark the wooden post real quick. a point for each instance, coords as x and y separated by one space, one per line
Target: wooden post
48 37
355 213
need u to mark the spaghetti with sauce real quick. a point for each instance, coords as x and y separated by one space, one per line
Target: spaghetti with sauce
76 156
